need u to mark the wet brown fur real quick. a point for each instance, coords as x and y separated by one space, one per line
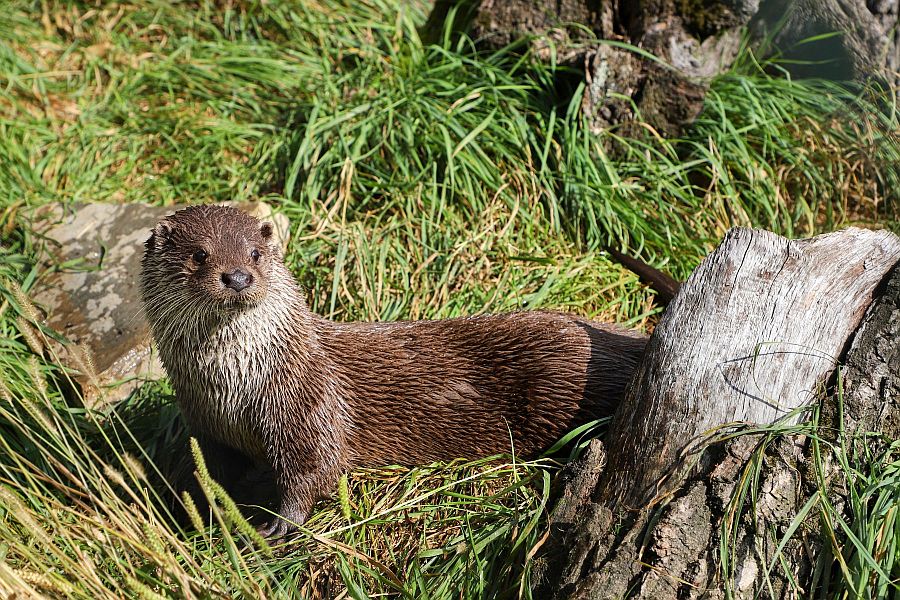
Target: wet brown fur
257 374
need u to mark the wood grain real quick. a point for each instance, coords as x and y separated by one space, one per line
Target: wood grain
751 338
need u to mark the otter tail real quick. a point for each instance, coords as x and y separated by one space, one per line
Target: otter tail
666 286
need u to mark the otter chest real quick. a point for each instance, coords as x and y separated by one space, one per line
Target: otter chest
222 384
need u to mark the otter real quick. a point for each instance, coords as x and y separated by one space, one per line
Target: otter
260 378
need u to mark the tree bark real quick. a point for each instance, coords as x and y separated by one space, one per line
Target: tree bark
751 339
871 373
858 51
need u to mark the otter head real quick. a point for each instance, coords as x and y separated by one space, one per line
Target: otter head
215 258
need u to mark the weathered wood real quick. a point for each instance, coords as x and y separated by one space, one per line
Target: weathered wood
753 335
750 338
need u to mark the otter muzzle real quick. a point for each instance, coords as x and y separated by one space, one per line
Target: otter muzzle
237 280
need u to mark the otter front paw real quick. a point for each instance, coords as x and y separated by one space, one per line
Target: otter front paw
282 525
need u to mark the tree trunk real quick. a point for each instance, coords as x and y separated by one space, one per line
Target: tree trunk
858 51
751 339
696 39
871 373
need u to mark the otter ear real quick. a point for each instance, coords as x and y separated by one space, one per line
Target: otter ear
267 230
160 237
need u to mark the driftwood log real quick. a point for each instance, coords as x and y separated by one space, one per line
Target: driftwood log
753 338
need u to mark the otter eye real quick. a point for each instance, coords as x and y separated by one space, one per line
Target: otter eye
200 257
255 255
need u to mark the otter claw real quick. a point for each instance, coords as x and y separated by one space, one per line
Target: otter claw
277 529
280 527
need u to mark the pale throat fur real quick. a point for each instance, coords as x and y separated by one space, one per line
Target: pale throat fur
222 367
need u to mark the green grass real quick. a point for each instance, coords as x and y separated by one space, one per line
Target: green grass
846 494
422 182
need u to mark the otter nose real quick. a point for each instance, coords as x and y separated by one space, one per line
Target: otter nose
237 280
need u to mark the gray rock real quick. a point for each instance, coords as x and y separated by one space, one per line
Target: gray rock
91 296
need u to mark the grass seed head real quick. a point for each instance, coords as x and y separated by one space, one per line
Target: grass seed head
30 335
27 308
